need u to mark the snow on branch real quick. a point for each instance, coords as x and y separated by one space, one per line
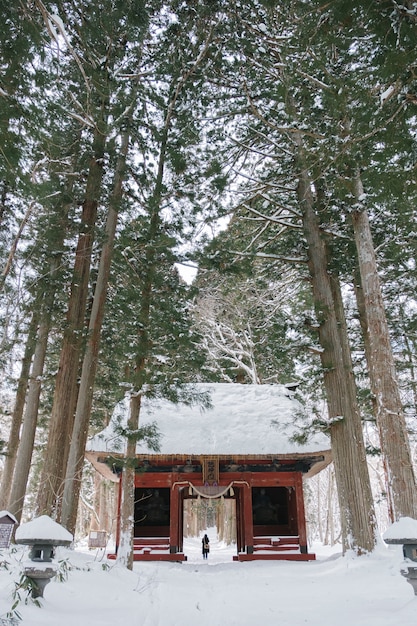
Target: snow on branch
283 129
271 218
57 30
85 120
387 94
313 80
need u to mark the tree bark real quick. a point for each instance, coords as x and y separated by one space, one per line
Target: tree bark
127 507
43 307
17 415
65 396
25 451
127 511
384 383
363 320
75 463
356 509
409 356
125 552
352 401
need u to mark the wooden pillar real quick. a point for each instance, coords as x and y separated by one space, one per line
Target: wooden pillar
239 518
248 518
181 521
174 512
301 518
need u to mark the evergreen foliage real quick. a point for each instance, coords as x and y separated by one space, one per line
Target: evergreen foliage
216 98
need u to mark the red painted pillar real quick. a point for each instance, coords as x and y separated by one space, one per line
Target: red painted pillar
301 518
240 536
248 518
174 512
181 520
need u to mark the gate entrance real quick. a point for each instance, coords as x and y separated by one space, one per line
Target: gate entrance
201 514
242 448
261 521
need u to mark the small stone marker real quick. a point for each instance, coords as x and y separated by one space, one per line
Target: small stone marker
7 523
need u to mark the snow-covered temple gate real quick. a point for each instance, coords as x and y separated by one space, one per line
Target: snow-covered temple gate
267 486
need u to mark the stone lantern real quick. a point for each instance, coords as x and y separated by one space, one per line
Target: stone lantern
43 535
404 532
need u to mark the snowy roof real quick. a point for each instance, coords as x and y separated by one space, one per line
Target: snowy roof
8 514
242 420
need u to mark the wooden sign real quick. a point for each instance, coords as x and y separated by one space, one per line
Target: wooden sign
97 539
210 467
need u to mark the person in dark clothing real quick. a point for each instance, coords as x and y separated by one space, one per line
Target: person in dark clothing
205 546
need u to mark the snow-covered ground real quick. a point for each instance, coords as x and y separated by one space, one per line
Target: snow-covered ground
331 591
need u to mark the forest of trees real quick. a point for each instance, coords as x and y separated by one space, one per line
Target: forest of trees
270 147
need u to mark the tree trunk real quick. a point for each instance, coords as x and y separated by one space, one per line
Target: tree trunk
409 352
384 383
75 463
356 422
127 512
43 307
330 534
125 552
127 508
65 396
357 516
17 415
363 320
24 454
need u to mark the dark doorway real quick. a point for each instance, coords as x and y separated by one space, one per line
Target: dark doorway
152 512
270 511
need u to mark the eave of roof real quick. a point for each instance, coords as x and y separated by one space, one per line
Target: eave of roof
103 462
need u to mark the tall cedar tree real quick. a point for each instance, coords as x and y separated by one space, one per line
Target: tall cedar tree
96 57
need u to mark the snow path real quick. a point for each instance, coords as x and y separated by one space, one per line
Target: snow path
332 591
